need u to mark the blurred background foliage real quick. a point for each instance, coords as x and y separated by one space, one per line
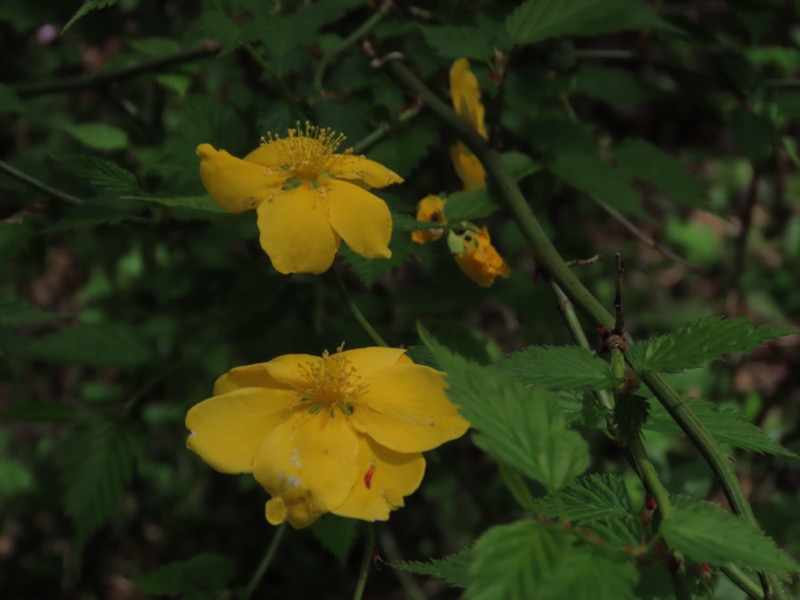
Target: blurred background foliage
667 133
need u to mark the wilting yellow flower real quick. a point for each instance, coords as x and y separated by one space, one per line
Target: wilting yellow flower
342 433
308 198
480 260
430 209
466 96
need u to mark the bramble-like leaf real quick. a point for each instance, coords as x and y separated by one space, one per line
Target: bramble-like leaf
9 101
456 41
726 425
202 204
591 497
613 85
336 534
95 466
86 8
369 270
403 151
630 415
592 176
707 532
528 559
559 368
467 206
453 569
537 20
14 312
91 344
203 573
646 162
699 342
101 173
99 136
523 426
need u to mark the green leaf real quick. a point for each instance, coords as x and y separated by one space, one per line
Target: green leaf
100 136
453 569
519 165
467 206
523 426
95 465
726 425
203 573
403 151
369 270
404 222
694 344
40 412
537 20
9 101
455 42
588 498
528 559
91 344
203 204
630 415
336 534
14 238
559 367
592 176
86 8
754 134
101 173
648 163
16 478
707 532
14 311
613 85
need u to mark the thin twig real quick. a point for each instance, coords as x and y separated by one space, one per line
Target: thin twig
643 237
366 561
619 320
385 129
356 312
262 568
26 90
38 185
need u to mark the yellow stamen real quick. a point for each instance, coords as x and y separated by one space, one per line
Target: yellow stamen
306 152
331 383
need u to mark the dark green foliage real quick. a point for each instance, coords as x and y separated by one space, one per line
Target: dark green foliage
559 367
336 534
630 415
203 573
453 569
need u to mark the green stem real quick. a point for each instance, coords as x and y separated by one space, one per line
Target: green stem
360 32
38 185
385 129
265 562
747 585
366 561
162 63
356 312
551 262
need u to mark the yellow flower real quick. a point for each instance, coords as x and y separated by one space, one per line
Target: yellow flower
308 198
430 208
480 260
342 433
467 103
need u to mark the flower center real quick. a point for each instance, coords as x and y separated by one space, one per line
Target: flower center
305 152
331 383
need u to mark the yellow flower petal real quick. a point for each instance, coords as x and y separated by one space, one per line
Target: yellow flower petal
431 209
361 171
295 231
248 376
361 219
466 94
310 463
228 430
480 260
273 154
384 477
367 361
468 168
405 409
236 185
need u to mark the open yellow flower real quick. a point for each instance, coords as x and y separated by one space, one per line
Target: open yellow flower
343 433
466 95
480 260
430 209
308 198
